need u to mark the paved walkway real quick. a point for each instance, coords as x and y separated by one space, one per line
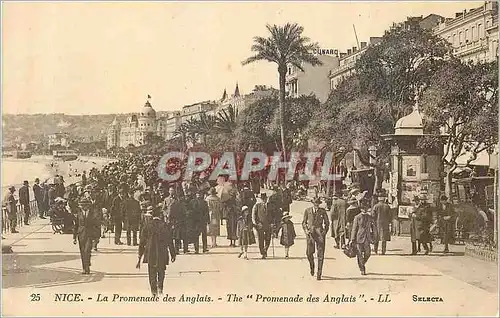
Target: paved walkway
44 263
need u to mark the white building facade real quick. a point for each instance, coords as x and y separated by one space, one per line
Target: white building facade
473 34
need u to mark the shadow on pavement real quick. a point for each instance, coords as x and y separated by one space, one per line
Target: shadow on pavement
362 278
289 258
396 274
21 270
47 252
36 238
101 250
434 254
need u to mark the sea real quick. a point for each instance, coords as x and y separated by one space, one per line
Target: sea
15 171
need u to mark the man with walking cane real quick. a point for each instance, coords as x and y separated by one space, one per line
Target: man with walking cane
315 225
274 233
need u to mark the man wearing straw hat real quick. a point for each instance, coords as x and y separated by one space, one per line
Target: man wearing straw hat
315 225
87 229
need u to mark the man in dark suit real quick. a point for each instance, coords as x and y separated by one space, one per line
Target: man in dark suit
286 198
24 200
202 218
316 225
247 197
87 229
382 217
132 219
38 192
118 212
262 220
274 205
155 244
361 235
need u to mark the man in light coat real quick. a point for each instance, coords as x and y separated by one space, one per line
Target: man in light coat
361 236
337 216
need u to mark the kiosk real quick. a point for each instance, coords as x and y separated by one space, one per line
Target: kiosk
412 171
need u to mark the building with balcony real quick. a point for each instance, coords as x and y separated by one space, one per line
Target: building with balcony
473 34
313 80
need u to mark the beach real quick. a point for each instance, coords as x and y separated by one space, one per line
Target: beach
15 171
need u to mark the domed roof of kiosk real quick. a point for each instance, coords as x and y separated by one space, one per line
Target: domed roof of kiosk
147 110
411 124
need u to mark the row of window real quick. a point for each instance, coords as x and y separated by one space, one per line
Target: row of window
473 33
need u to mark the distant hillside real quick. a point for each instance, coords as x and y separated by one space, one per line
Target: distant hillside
18 129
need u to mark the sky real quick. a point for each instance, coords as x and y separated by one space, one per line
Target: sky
106 57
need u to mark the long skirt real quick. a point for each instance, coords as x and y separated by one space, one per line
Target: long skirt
231 226
214 227
246 237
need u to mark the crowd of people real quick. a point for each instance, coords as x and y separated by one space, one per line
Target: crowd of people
161 218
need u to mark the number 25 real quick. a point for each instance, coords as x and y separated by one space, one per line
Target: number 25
35 297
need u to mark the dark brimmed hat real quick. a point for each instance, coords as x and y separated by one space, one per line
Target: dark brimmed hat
444 198
286 216
316 201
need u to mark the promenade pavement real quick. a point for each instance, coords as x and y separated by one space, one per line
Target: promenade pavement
45 264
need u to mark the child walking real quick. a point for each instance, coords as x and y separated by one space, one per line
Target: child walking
244 230
287 232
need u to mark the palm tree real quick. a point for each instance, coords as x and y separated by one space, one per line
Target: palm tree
285 46
226 120
202 126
